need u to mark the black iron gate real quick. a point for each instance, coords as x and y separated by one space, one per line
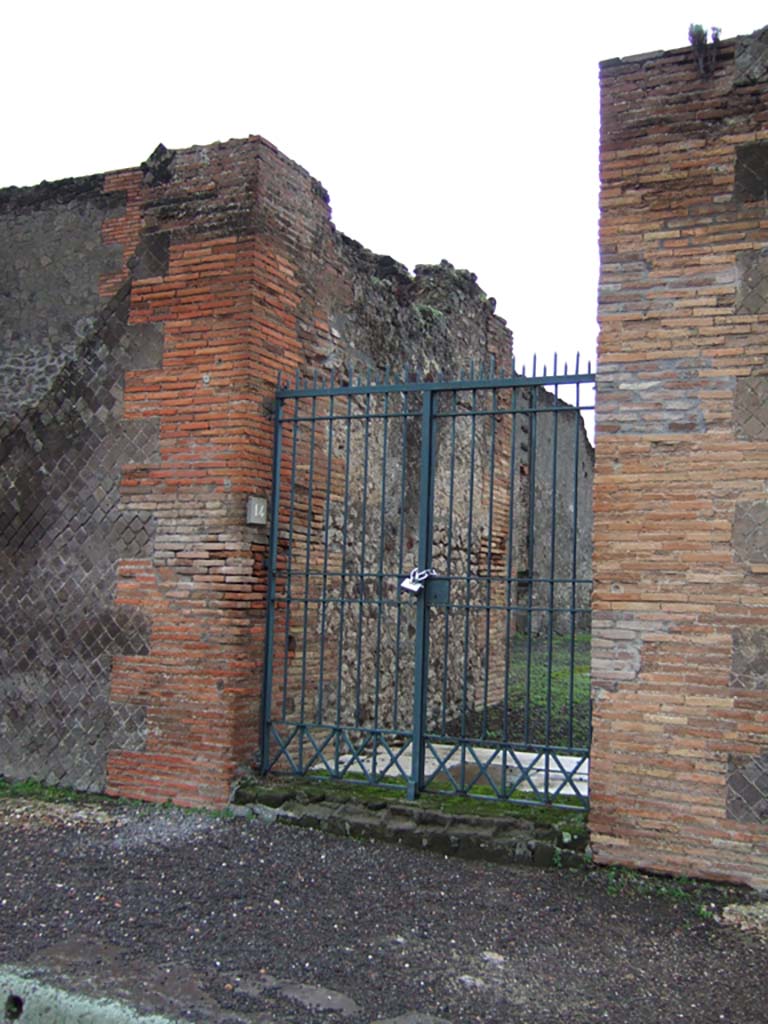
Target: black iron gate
430 585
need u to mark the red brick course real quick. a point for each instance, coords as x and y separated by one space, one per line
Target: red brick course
679 559
227 307
233 261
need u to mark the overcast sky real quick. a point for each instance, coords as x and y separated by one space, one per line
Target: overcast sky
442 130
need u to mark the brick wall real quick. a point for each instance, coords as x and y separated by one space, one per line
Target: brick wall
680 655
148 313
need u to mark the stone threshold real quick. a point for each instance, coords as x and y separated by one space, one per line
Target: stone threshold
502 839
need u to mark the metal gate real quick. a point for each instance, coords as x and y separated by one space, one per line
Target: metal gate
429 585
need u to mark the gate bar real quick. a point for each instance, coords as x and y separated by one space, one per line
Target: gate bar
468 384
421 673
266 712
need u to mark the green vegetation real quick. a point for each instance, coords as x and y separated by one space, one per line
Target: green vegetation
705 53
427 316
557 676
548 694
354 788
31 790
320 786
706 899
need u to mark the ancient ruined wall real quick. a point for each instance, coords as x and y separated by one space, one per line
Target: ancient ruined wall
680 658
441 322
63 526
555 544
147 314
347 654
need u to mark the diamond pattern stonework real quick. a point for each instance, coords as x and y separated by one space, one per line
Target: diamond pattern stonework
747 799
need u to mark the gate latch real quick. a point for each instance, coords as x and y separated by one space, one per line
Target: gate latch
414 582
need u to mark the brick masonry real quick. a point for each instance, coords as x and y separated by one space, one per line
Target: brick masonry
146 315
680 648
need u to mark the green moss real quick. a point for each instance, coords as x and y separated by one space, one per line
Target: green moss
29 789
353 788
428 316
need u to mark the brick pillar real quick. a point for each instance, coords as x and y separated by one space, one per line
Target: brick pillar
680 666
215 278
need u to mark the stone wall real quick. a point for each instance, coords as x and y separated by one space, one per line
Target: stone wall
146 315
555 556
680 649
63 445
350 499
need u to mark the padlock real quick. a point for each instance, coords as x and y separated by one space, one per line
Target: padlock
414 582
413 586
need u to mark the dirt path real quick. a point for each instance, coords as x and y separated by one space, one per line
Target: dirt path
231 921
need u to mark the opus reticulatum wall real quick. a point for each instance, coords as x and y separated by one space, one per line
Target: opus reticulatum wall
146 315
137 417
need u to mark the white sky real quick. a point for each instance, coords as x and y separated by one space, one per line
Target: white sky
442 130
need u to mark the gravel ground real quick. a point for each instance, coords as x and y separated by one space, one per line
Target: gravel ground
231 920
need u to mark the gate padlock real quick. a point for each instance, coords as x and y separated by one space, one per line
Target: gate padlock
411 585
414 582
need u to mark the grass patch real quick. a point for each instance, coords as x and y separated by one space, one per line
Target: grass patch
548 695
559 669
548 690
550 679
706 899
29 789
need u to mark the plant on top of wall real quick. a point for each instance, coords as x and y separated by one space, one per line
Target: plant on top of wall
704 52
